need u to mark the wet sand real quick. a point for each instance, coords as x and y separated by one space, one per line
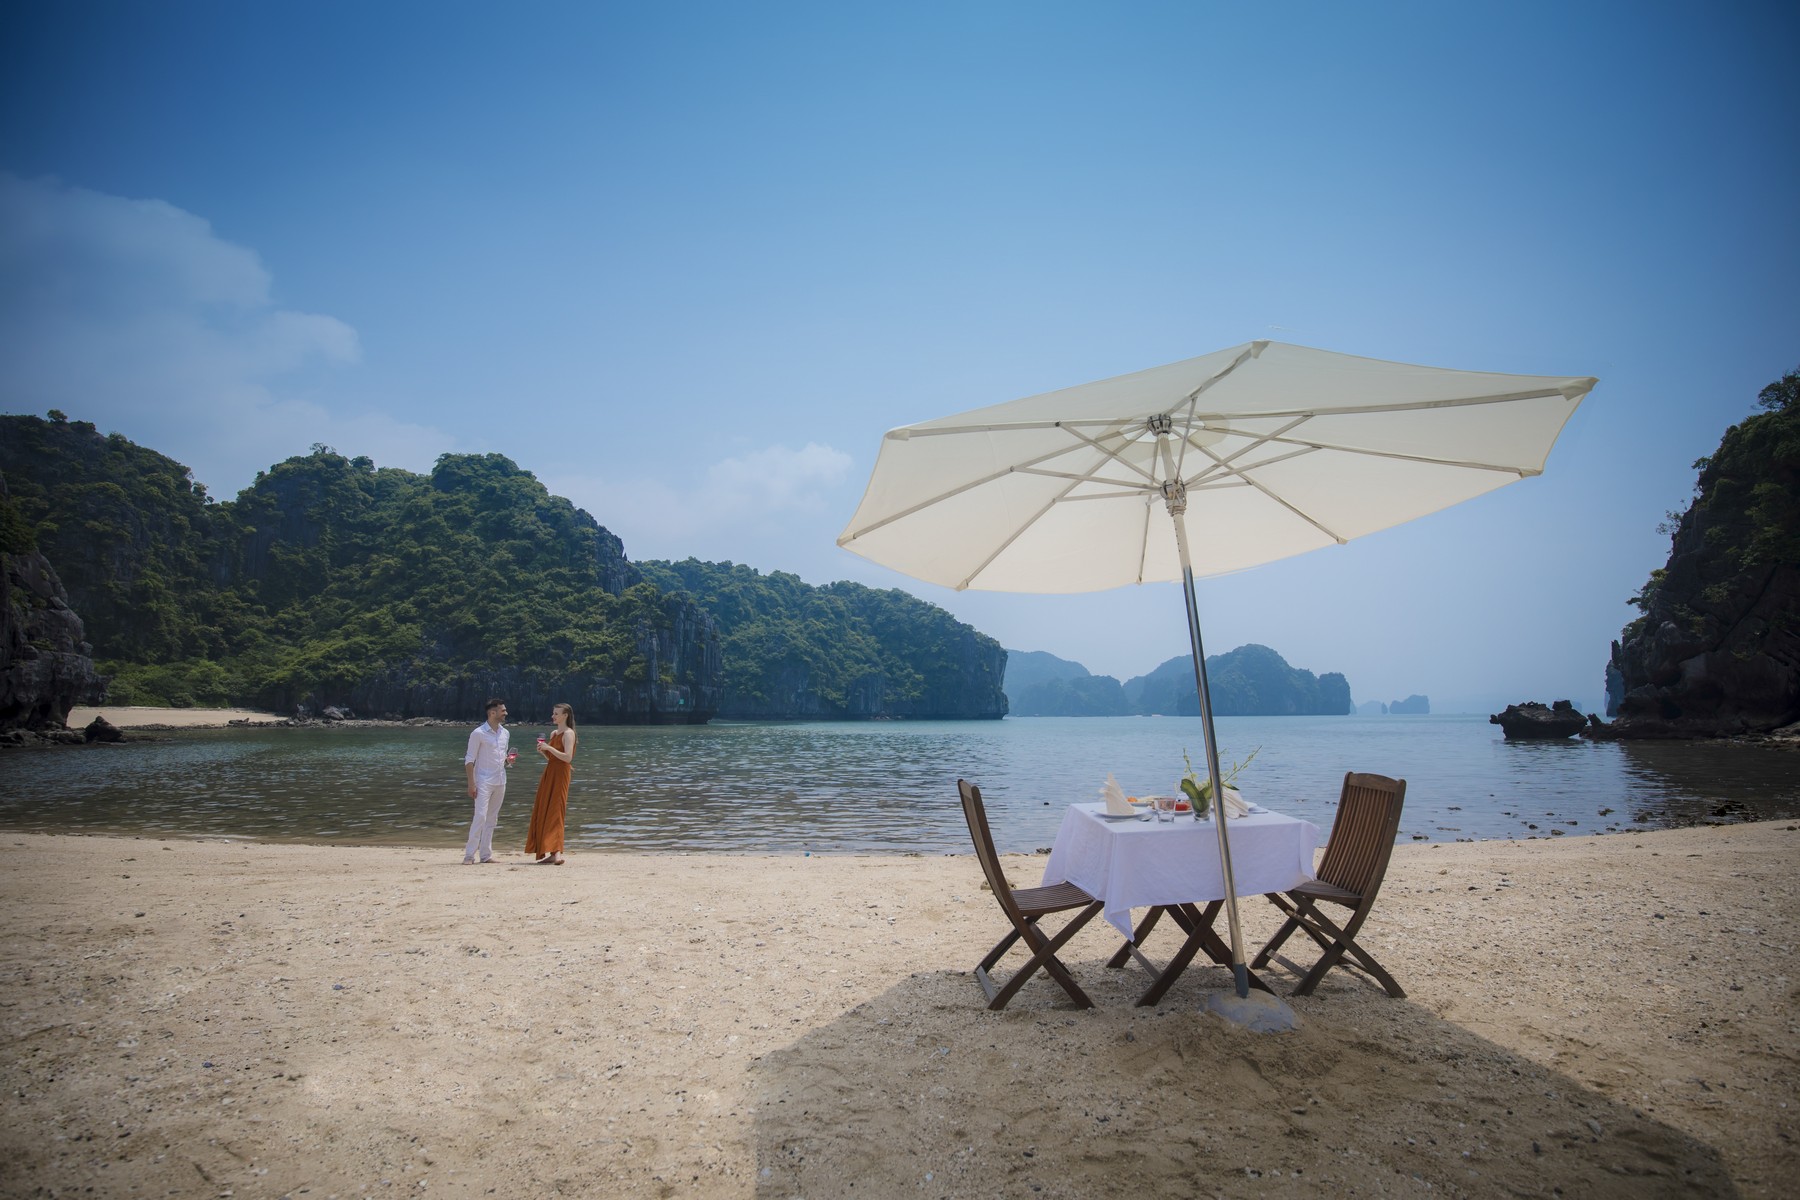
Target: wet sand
1587 1017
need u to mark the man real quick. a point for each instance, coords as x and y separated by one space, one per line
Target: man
485 765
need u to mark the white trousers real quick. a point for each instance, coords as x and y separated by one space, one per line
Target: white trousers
488 795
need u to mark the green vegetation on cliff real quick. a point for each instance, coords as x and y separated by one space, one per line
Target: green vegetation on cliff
842 650
1717 647
329 581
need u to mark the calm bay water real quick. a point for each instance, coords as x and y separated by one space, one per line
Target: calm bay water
887 787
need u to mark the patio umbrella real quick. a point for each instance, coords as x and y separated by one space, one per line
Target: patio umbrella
1197 468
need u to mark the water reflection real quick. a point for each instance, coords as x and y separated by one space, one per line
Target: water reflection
886 788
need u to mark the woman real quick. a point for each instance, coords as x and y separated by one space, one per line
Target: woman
545 838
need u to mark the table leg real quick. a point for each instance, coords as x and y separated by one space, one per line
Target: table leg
1200 936
1137 938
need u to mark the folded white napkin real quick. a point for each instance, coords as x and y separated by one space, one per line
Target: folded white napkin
1114 795
1235 805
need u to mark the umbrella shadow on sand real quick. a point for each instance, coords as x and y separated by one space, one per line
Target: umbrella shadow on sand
921 1091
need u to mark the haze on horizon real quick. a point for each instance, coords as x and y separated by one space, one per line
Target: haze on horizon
687 265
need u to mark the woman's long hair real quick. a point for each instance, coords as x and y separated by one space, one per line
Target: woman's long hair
568 713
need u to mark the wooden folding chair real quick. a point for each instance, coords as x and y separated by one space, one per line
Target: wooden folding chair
1350 874
1023 907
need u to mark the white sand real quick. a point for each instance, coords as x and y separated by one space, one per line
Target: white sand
131 716
1596 1016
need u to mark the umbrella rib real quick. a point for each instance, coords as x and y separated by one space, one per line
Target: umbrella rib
1505 469
1110 452
1144 542
1014 536
1133 494
1192 399
1221 416
1332 534
1196 417
1147 486
1261 440
913 431
1359 410
847 538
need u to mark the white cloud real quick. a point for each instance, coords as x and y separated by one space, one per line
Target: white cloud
135 315
745 508
776 479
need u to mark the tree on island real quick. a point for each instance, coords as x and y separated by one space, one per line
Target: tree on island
1716 647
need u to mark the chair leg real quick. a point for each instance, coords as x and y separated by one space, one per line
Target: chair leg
1273 944
1367 962
1044 955
982 968
1341 941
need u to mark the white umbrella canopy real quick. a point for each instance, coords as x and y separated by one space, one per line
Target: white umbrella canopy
1281 449
1256 453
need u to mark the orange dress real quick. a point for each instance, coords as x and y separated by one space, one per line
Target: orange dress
552 806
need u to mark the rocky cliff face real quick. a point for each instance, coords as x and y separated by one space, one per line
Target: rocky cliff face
1717 650
46 667
968 690
303 524
968 687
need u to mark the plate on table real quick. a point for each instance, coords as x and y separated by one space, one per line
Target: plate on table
1130 816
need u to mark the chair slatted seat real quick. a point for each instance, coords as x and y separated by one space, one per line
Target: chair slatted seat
1350 874
1023 908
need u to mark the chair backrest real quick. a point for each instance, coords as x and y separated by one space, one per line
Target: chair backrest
1362 836
975 813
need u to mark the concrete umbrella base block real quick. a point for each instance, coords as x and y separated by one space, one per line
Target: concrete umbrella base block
1259 1012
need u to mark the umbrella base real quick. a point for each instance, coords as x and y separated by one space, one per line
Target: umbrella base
1259 1012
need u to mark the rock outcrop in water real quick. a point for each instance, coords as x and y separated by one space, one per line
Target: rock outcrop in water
1717 649
1532 721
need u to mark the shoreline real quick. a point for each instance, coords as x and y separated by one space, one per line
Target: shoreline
1609 1016
147 717
154 718
136 716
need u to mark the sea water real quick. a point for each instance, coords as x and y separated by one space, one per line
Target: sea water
881 787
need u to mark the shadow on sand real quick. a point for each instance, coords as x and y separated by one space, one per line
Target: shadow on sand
923 1092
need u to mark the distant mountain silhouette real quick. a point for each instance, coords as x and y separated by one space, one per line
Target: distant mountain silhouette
1039 684
1252 680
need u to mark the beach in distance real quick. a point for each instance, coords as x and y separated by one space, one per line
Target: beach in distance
1586 1017
140 716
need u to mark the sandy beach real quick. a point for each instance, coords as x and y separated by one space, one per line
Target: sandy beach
1599 1016
132 716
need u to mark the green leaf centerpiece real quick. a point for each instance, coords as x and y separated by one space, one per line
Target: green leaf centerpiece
1198 790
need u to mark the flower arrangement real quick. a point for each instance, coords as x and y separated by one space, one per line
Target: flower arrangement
1199 791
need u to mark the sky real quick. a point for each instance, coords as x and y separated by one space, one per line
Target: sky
687 262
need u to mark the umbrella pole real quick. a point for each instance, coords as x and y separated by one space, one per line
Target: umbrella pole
1240 973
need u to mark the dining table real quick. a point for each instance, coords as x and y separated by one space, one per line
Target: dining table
1171 868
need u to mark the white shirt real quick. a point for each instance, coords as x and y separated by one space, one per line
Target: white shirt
487 750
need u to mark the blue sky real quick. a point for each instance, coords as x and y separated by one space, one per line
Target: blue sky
687 262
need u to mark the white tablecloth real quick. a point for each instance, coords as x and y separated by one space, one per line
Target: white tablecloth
1136 864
